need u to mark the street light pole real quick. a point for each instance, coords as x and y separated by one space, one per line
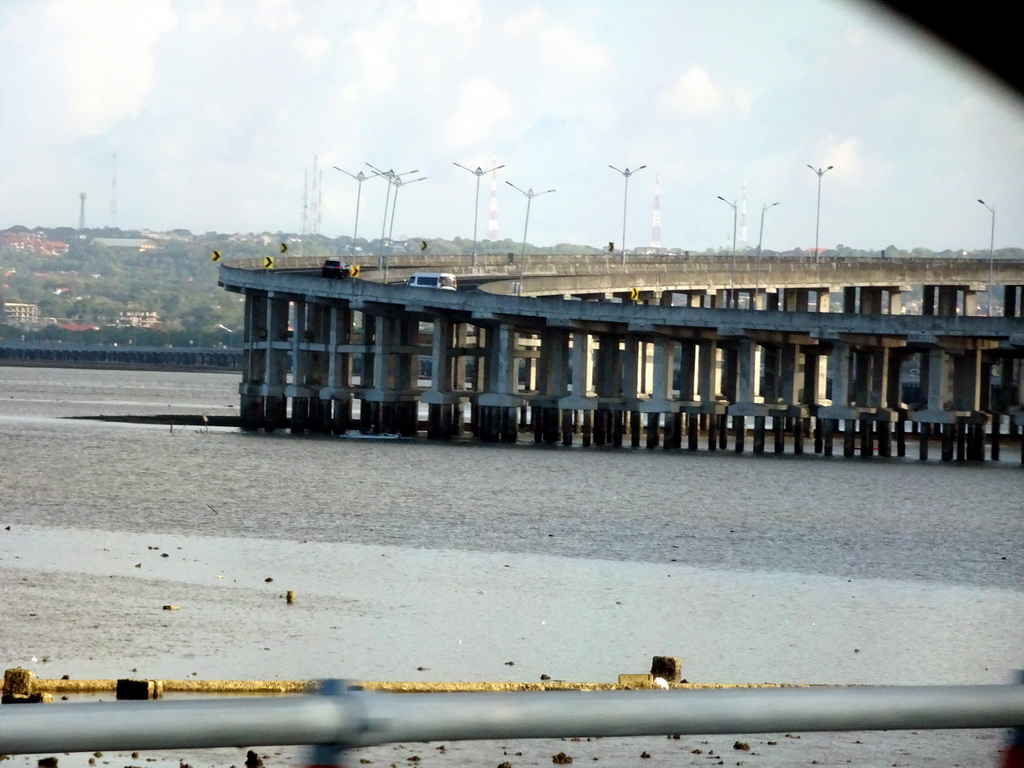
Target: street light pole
360 177
760 239
476 208
817 218
625 198
991 253
530 194
399 183
731 298
391 178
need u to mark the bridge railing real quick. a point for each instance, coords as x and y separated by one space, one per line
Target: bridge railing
340 719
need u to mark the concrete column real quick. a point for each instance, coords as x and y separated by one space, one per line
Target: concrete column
748 379
339 366
254 354
707 372
870 301
582 365
895 302
441 396
663 364
631 376
275 377
935 378
839 371
318 331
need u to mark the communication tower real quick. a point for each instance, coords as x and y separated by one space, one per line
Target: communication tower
81 212
320 201
305 202
312 199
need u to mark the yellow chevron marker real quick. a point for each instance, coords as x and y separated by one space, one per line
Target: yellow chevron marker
611 246
284 248
268 262
423 245
634 294
355 270
215 256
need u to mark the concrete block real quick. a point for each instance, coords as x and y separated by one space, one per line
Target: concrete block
636 681
135 690
18 682
668 667
31 698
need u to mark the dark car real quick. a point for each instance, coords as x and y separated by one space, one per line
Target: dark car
336 269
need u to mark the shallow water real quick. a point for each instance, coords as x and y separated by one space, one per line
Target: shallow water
575 563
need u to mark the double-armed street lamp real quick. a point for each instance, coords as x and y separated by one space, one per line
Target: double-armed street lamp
530 194
359 177
478 172
393 179
991 253
817 218
760 239
399 182
625 198
730 300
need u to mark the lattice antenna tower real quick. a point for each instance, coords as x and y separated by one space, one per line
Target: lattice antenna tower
744 241
656 218
320 201
492 211
81 211
305 201
113 194
314 196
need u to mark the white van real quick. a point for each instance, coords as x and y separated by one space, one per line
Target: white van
443 280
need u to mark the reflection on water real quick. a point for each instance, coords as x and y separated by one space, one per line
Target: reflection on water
578 564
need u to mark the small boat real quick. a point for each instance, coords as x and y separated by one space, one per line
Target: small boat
380 436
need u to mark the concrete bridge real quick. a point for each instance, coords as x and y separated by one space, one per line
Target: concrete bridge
657 351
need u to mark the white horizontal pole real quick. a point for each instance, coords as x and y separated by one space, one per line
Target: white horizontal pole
357 719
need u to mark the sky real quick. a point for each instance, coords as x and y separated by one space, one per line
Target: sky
216 109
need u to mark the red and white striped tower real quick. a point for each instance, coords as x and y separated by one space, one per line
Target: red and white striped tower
492 211
656 221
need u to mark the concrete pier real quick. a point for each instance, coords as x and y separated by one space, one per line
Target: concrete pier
334 356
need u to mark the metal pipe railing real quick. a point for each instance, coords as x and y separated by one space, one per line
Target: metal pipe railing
358 718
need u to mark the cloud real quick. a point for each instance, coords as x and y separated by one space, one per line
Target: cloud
276 14
375 72
462 15
556 47
565 51
103 70
524 22
691 95
312 47
480 107
859 168
742 100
